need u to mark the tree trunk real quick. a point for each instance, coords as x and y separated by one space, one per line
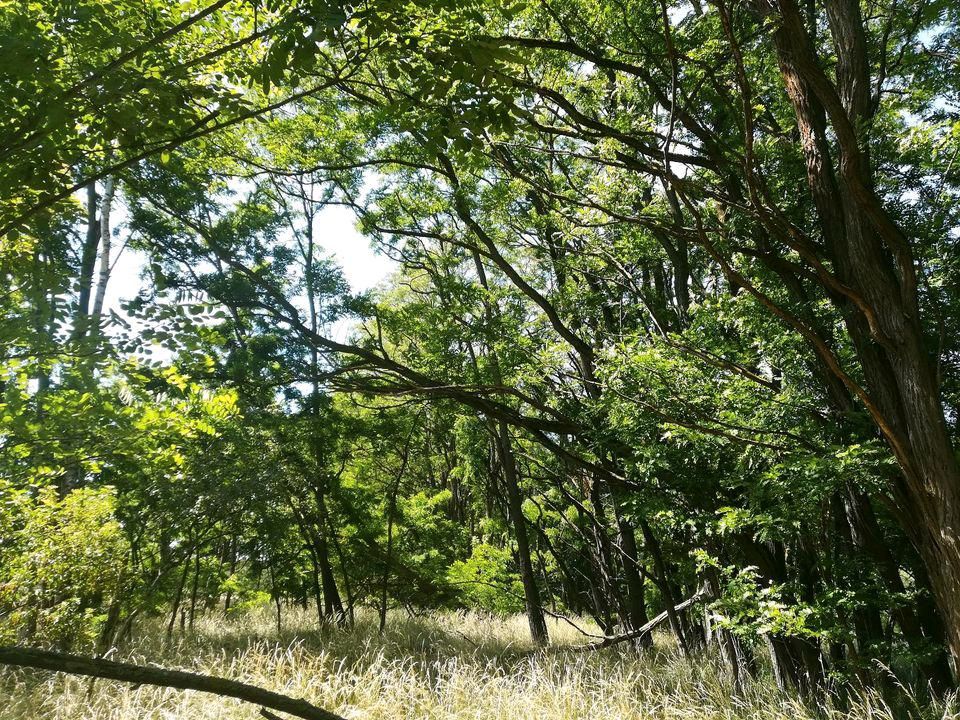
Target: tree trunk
347 588
391 511
233 569
332 604
106 205
178 597
194 589
535 616
88 262
663 583
315 578
635 601
139 675
874 264
606 565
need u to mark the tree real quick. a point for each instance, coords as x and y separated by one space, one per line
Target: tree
672 327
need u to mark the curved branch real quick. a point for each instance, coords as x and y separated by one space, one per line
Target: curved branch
179 679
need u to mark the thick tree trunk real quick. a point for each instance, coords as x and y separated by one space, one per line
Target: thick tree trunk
875 267
938 547
140 675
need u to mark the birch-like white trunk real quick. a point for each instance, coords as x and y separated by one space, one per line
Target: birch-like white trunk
103 277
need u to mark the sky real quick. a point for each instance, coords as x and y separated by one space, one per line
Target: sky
336 232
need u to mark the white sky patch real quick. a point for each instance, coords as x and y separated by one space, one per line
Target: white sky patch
336 231
362 266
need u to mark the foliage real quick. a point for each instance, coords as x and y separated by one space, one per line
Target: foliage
485 580
62 562
674 314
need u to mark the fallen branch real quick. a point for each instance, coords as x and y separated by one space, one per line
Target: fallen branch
646 629
179 679
519 596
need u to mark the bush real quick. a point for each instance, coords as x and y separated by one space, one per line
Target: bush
62 565
486 580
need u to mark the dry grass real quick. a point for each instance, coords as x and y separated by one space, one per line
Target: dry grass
449 666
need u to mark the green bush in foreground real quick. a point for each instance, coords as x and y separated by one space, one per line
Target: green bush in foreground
62 565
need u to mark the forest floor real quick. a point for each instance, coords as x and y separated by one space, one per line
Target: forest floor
449 666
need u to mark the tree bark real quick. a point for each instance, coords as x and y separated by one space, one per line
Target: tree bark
874 261
178 597
333 605
531 592
635 601
106 205
663 583
88 262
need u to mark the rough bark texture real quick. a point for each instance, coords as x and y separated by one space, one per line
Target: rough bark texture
873 263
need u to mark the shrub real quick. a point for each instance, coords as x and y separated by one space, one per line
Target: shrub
486 580
62 564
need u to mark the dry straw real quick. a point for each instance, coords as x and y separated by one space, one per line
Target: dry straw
450 666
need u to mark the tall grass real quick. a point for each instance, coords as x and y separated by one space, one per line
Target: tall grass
442 665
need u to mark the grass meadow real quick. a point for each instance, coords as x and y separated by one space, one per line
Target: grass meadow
439 666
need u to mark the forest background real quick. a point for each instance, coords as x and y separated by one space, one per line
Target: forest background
671 330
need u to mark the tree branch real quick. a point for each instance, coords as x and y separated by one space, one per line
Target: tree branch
179 679
649 627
